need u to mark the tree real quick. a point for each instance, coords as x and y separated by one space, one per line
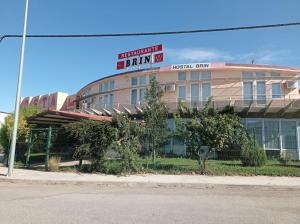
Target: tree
125 146
155 116
205 132
23 127
93 139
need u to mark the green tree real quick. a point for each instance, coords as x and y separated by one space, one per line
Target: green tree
23 127
155 116
125 147
93 139
205 132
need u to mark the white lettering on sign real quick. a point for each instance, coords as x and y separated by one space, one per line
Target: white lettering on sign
191 66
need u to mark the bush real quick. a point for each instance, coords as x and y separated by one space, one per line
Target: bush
285 158
54 163
253 155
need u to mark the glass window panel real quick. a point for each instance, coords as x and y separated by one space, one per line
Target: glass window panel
276 90
206 75
261 92
255 128
260 75
195 92
289 133
206 91
248 91
142 95
272 134
275 75
181 92
134 96
111 85
105 87
247 75
181 76
142 80
105 100
195 75
134 81
100 88
111 99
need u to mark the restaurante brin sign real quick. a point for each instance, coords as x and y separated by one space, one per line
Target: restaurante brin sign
148 55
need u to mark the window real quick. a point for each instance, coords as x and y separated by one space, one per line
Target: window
181 76
206 91
134 96
111 85
289 133
276 91
181 92
247 75
255 128
105 100
261 92
260 75
134 81
142 96
195 75
272 134
195 93
206 75
248 92
142 80
111 100
275 75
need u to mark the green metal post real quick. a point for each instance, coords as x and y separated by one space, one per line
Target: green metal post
48 148
29 149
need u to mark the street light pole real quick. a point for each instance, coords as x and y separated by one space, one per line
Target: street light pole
18 98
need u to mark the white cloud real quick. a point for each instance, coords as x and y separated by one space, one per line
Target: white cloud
204 55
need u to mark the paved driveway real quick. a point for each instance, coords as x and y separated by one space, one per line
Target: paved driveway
93 203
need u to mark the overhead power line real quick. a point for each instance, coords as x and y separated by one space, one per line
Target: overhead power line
152 33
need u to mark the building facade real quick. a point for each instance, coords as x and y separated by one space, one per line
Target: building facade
266 97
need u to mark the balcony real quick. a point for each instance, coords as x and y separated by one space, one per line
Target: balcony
258 106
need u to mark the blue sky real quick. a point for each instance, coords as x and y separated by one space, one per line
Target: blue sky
67 65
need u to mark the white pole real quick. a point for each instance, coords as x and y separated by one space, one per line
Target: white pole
18 97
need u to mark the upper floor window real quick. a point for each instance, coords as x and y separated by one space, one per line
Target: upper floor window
206 75
181 92
134 81
142 80
107 86
111 85
181 76
260 75
247 75
195 75
275 75
276 90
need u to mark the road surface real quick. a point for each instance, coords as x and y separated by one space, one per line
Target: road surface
92 203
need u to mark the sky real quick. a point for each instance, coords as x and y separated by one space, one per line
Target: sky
67 65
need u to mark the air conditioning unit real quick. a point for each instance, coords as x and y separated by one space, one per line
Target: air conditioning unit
290 84
170 87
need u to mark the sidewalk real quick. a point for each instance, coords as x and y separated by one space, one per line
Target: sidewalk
151 179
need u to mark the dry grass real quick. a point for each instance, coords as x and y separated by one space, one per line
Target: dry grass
54 163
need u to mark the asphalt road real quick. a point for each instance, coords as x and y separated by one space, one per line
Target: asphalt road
92 203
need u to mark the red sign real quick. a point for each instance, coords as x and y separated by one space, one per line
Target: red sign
158 58
120 65
146 50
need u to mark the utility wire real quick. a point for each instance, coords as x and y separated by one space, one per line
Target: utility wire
151 33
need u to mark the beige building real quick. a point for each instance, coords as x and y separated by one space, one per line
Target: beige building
266 97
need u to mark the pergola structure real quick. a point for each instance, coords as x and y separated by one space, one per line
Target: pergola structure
52 119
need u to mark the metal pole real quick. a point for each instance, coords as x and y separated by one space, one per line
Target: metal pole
48 148
18 97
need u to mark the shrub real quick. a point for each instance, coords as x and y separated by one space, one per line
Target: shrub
54 163
285 158
253 155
